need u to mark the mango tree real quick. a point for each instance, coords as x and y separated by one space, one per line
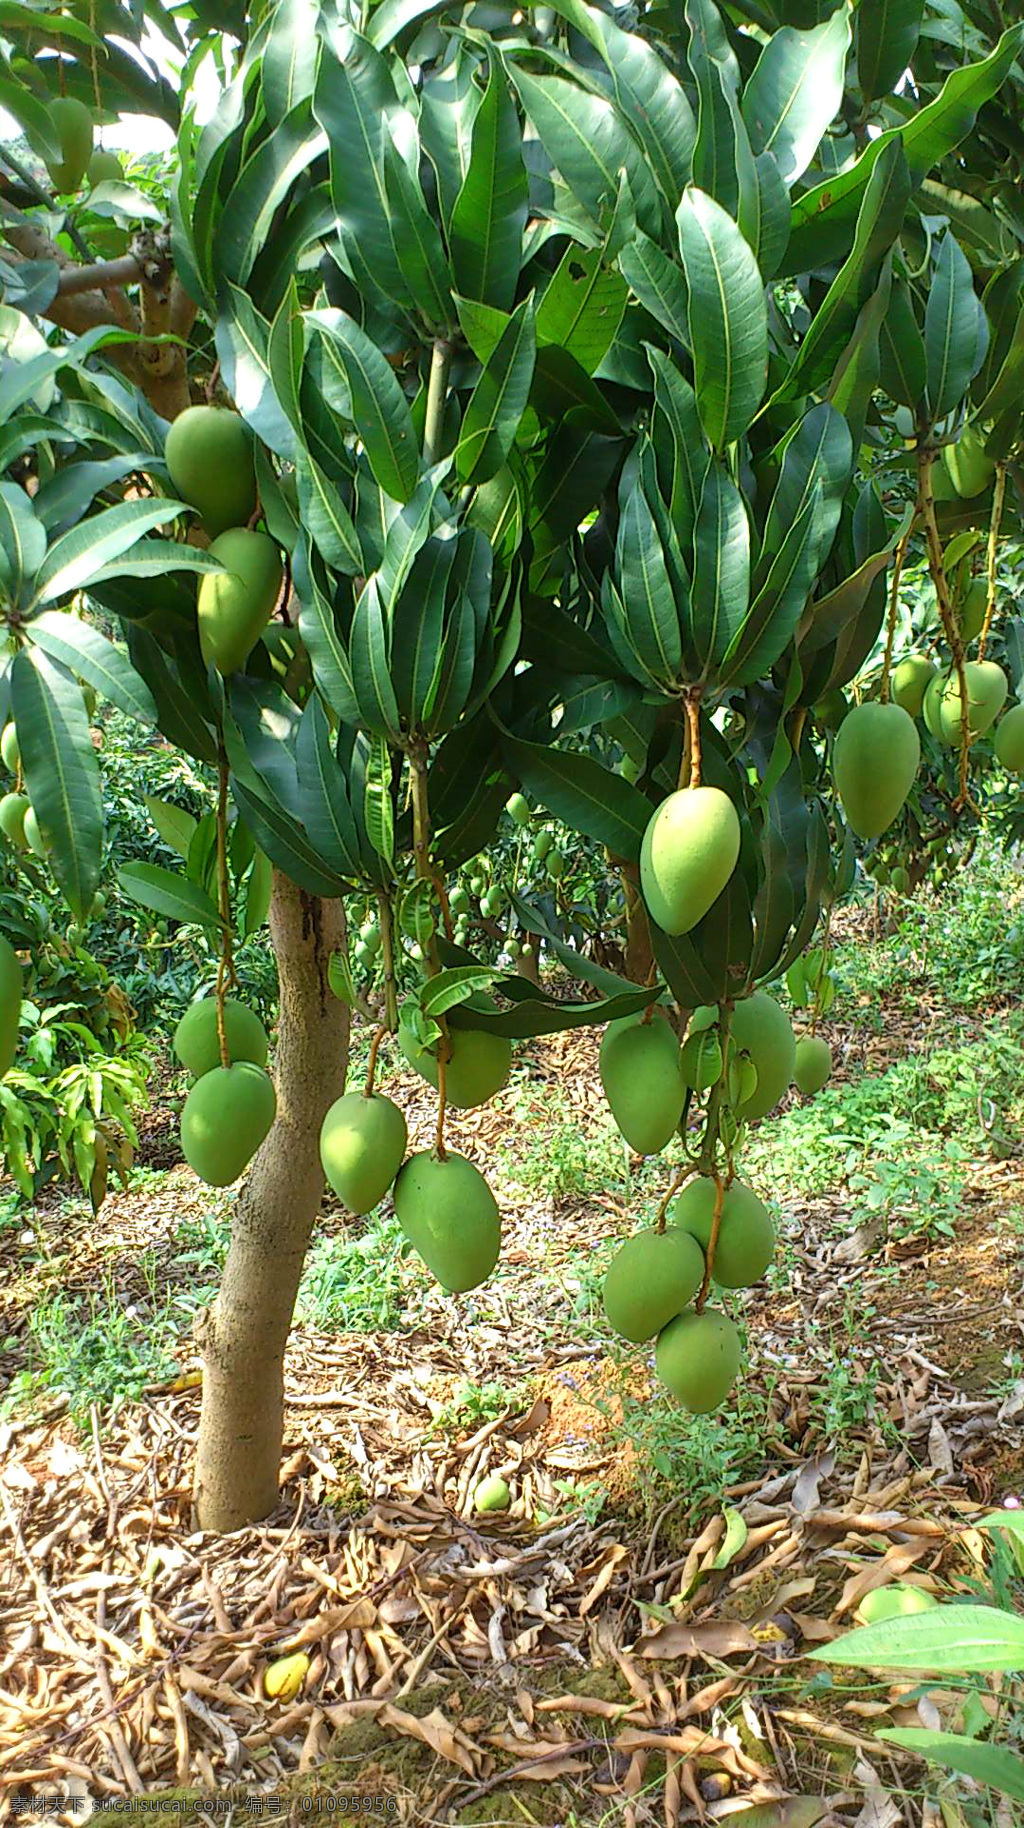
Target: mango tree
575 397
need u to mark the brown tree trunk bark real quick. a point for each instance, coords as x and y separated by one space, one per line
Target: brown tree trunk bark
243 1334
639 956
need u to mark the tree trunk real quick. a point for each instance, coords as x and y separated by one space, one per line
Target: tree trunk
639 956
243 1335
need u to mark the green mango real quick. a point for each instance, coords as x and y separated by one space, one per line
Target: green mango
554 863
971 610
362 1143
197 1043
209 455
11 991
987 687
896 1601
14 809
479 1065
34 837
761 1028
875 761
689 851
518 809
492 1495
642 1076
105 167
450 1216
651 1278
73 124
542 844
227 1115
1008 742
813 1064
969 468
910 679
746 1235
698 1357
899 880
235 605
10 748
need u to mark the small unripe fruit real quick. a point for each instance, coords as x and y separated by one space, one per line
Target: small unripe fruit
542 844
650 1279
197 1041
762 1029
450 1216
698 1357
518 809
459 901
813 1064
227 1115
1009 740
362 1143
899 880
492 1494
876 758
73 124
968 465
987 687
555 865
14 808
34 837
642 1077
10 748
210 461
235 605
910 680
746 1235
689 851
971 611
104 167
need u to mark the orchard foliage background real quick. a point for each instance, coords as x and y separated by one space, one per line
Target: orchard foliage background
594 494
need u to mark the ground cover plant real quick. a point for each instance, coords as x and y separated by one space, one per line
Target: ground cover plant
509 543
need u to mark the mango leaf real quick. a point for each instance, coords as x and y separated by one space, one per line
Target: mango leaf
795 91
282 838
720 591
583 305
449 103
901 356
453 986
818 449
764 212
378 816
683 969
290 58
61 772
83 650
181 719
856 373
380 411
419 629
175 826
262 184
22 540
771 621
587 796
421 255
323 795
354 96
823 218
682 474
80 554
658 283
887 32
485 234
168 894
645 590
954 1639
955 330
589 144
994 1765
716 73
258 890
498 400
326 518
727 318
369 658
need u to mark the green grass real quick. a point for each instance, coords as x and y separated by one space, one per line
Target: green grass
358 1282
555 1150
99 1349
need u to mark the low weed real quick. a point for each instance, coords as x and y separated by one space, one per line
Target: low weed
559 1151
99 1349
355 1282
470 1405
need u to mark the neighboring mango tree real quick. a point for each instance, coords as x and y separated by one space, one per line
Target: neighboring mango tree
594 380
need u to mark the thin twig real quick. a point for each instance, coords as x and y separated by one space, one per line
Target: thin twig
686 1173
998 497
716 1220
442 1105
693 719
890 632
371 1069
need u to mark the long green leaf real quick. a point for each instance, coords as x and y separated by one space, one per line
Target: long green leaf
727 318
242 336
953 1639
175 826
589 144
651 615
81 553
583 305
421 256
955 330
887 32
168 894
323 794
378 814
588 797
485 233
718 148
354 95
83 650
380 410
291 57
61 772
795 92
369 659
721 566
994 1765
498 400
658 283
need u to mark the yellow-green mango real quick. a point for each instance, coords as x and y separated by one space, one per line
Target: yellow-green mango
14 808
197 1043
10 748
450 1216
34 837
910 679
209 457
227 1115
11 990
987 687
651 1278
642 1075
896 1601
876 757
105 167
968 465
492 1495
236 604
73 124
698 1357
761 1029
1008 741
479 1065
687 856
971 610
813 1065
746 1235
362 1142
